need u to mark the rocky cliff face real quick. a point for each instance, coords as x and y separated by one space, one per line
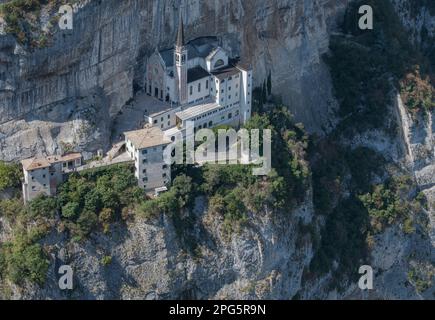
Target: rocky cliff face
264 261
70 92
93 70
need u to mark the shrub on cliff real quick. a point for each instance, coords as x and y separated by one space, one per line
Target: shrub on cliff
10 175
23 259
42 206
97 197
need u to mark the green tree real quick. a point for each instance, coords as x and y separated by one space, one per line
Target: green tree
11 208
70 210
106 217
26 262
264 92
10 175
87 222
269 83
42 206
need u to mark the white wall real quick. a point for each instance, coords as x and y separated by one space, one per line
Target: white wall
219 116
219 55
198 96
164 120
37 182
228 90
154 167
246 95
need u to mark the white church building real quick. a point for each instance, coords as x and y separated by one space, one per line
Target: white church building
197 81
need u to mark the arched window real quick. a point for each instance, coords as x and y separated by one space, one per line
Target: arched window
219 63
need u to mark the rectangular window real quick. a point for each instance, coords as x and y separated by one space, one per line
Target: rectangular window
191 90
144 151
206 84
144 161
199 87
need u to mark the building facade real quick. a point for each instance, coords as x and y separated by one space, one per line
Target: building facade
146 147
44 175
198 82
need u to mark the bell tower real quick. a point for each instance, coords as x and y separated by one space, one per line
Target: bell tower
180 59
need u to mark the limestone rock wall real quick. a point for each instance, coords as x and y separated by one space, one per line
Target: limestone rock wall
105 55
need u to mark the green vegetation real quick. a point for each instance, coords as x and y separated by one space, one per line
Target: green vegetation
23 258
97 197
106 260
421 276
269 83
22 19
417 92
86 201
385 205
10 175
232 190
365 66
42 206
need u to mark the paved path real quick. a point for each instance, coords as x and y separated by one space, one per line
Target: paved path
107 161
